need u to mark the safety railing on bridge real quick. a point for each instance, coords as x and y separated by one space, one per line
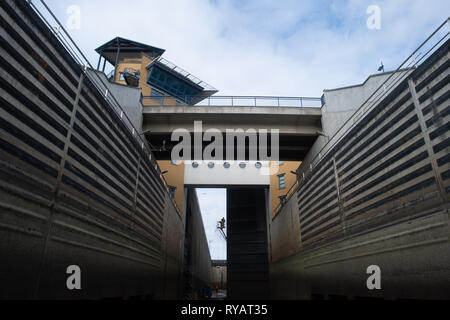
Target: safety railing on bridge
261 101
186 74
240 101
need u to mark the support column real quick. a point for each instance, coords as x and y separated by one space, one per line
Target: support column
99 60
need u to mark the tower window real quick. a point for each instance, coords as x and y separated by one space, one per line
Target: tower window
172 85
282 181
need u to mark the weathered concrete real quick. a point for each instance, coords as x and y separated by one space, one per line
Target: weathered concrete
413 256
285 232
340 105
380 196
197 263
127 97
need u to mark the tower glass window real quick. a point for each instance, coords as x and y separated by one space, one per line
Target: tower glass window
282 181
178 88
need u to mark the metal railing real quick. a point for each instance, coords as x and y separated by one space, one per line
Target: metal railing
186 74
261 101
246 101
75 52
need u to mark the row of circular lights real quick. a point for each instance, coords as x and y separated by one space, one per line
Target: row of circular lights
227 165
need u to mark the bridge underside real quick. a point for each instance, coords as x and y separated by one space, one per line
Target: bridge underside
291 147
298 127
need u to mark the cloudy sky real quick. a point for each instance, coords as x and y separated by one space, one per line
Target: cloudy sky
213 205
263 47
260 47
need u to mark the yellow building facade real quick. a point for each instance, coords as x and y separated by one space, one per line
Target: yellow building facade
281 183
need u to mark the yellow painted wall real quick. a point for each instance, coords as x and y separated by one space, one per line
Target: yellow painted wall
174 177
144 61
290 179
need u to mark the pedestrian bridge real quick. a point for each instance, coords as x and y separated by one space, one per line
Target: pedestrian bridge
298 121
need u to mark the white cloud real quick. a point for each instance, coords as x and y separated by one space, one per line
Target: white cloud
292 48
213 205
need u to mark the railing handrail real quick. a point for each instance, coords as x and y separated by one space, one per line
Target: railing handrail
245 97
255 101
186 74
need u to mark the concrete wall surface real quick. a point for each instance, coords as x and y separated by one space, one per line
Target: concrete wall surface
413 255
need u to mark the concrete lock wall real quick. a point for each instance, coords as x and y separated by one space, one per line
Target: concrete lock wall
219 277
380 196
197 263
129 98
77 187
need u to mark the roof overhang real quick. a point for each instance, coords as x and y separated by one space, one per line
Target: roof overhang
109 49
206 89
